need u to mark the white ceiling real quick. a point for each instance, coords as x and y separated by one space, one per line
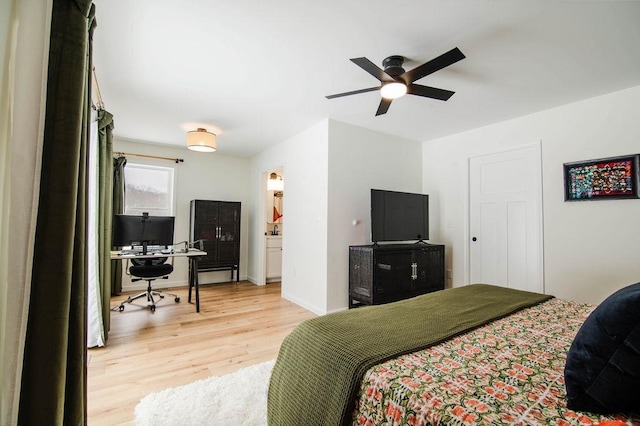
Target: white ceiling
256 72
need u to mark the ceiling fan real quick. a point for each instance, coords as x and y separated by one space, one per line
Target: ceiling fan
396 82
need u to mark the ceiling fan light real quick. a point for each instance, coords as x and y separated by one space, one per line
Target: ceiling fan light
393 90
200 140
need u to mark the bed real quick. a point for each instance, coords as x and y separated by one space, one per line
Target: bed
473 355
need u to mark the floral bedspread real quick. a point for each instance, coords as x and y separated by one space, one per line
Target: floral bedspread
509 372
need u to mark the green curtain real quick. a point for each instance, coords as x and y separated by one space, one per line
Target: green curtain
105 212
118 208
54 372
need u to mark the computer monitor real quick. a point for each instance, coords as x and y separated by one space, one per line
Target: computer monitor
142 231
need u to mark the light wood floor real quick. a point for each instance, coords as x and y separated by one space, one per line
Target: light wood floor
238 325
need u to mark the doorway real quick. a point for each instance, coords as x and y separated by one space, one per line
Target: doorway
505 219
271 225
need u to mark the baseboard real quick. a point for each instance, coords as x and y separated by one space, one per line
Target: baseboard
254 280
160 284
333 311
220 281
303 304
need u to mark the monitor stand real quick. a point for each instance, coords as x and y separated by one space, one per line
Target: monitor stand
145 218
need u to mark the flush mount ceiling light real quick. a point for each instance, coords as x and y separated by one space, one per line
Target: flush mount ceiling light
393 90
200 140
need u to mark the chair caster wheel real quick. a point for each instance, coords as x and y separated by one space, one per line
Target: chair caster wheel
161 296
153 308
121 308
177 299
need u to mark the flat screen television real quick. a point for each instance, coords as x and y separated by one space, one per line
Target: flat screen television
142 231
399 216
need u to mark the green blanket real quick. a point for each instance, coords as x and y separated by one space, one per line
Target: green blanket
321 363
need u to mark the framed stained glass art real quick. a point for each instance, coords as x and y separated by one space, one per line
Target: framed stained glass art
602 179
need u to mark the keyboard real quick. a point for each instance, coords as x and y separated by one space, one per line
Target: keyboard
130 252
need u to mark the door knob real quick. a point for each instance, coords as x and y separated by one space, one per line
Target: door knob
474 239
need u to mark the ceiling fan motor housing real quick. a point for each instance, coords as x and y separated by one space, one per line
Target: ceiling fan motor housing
393 65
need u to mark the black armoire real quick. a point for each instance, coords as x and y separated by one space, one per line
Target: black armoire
217 223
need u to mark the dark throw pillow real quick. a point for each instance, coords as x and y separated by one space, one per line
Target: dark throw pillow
602 372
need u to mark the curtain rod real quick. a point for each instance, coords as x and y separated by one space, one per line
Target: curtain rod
99 104
176 160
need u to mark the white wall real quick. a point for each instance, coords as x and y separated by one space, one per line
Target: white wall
591 248
202 176
329 170
361 159
304 244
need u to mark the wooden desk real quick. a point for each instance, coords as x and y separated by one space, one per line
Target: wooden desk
193 255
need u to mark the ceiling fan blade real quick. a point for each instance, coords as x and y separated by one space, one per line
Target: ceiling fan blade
429 92
372 69
384 106
355 92
442 61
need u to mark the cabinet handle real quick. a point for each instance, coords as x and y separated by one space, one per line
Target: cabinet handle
414 271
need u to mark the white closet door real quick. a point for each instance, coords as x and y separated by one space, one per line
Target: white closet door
505 211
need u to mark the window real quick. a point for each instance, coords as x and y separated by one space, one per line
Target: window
148 189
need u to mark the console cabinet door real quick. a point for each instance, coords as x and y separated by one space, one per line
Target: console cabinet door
361 274
430 270
393 274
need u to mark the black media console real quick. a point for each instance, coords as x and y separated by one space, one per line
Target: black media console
383 273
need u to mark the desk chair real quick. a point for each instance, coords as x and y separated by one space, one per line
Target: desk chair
149 270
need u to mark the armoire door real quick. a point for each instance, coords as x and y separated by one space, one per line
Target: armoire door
204 220
228 247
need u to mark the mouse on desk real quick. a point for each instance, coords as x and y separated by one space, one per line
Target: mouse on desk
166 251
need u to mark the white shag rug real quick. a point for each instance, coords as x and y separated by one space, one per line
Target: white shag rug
238 398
